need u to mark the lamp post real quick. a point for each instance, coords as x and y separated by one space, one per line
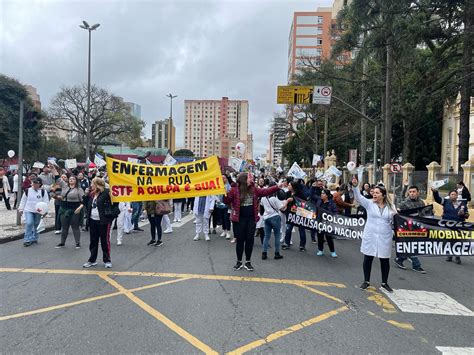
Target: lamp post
86 26
170 128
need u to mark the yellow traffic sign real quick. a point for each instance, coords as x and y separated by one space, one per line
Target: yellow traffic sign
295 94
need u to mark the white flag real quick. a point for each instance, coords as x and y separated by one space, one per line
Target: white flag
316 159
438 183
296 171
99 160
333 171
236 163
71 163
169 160
38 165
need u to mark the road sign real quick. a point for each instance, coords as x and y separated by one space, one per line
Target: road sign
295 94
322 95
395 168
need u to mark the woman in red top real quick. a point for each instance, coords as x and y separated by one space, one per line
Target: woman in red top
243 199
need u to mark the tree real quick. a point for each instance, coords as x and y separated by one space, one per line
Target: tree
110 117
11 93
183 153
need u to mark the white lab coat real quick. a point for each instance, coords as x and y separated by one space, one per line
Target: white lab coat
210 202
377 236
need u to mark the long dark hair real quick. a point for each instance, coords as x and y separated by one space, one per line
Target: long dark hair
244 189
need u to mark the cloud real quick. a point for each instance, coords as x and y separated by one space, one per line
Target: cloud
144 50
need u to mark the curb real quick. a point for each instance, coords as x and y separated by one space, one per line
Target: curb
21 236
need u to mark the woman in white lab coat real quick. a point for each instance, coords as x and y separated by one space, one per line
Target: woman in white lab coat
377 237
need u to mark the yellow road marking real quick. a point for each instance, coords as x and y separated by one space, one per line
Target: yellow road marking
159 316
175 275
406 326
380 300
86 300
321 293
286 331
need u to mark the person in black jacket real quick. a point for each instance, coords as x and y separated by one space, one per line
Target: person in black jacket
296 189
463 191
99 222
327 204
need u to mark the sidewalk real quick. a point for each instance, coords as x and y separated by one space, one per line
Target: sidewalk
10 231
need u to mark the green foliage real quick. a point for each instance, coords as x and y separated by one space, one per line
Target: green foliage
11 93
183 153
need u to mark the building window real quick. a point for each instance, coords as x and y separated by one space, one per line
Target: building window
319 41
319 20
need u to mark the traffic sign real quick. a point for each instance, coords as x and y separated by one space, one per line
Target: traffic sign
395 168
295 94
322 95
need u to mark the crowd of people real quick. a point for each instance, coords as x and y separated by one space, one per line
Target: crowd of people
253 206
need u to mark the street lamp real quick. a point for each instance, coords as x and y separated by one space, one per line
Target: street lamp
86 26
170 128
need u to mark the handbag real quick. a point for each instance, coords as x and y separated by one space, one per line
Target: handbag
162 207
111 210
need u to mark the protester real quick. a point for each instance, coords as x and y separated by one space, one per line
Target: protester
341 203
377 236
178 204
297 191
28 207
271 217
27 182
223 210
154 217
453 210
203 208
243 198
85 185
413 201
47 177
15 188
366 190
167 227
463 192
5 188
327 204
99 222
137 210
124 221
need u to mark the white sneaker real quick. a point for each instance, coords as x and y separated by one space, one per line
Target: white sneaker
206 236
119 243
194 221
196 237
167 231
57 232
175 220
108 265
227 235
223 234
179 220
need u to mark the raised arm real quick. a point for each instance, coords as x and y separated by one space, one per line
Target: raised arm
437 197
358 196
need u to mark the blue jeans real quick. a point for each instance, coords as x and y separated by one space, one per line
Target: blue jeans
31 224
136 212
289 229
415 262
275 224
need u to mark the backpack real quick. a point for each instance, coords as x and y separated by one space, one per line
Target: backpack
42 192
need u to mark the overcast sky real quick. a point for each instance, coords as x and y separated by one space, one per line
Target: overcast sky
144 50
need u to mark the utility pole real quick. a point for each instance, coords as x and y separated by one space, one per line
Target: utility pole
388 104
20 160
363 122
86 26
325 139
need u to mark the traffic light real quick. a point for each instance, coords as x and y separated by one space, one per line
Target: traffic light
31 119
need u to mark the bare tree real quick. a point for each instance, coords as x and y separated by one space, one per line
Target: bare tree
110 117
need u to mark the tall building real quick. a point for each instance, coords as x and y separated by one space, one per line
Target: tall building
214 127
312 35
278 136
135 109
163 135
450 136
33 95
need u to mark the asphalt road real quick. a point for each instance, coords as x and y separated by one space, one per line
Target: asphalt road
184 297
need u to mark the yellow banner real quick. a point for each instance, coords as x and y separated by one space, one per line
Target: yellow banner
140 182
